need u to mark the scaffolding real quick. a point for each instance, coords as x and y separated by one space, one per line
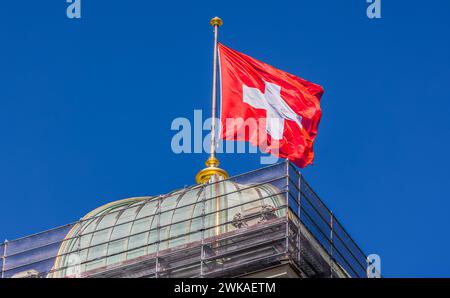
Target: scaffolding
226 228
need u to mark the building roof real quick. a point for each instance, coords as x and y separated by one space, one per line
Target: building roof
233 227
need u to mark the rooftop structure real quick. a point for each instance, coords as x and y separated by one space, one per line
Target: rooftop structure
268 222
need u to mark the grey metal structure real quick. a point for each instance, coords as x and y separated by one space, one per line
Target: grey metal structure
240 226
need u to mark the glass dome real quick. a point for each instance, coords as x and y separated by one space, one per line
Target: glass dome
124 230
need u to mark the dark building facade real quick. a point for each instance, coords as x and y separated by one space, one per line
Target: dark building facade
265 223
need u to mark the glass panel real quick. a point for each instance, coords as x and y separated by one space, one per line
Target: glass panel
146 219
166 218
169 202
262 175
121 232
98 252
177 229
137 242
190 197
114 251
163 236
85 239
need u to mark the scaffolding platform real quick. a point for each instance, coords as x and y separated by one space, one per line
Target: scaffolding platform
255 222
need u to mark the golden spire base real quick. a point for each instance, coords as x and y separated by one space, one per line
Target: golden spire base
211 169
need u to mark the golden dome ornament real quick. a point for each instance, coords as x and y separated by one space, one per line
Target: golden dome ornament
212 169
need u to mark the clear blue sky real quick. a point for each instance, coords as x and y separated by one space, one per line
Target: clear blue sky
86 107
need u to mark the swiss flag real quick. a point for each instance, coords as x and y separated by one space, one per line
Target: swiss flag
269 108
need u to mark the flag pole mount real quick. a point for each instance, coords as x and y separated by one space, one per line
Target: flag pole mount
212 164
212 169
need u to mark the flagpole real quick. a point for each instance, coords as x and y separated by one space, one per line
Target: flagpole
216 22
212 164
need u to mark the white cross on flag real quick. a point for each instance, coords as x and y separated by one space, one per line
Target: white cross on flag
276 109
285 108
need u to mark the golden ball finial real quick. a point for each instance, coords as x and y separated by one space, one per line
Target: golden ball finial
216 21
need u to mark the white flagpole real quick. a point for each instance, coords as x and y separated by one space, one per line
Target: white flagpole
216 23
212 164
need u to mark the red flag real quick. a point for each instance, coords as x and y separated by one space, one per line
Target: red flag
286 108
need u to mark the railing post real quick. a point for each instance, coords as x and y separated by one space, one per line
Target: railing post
158 239
331 243
202 250
5 244
287 208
